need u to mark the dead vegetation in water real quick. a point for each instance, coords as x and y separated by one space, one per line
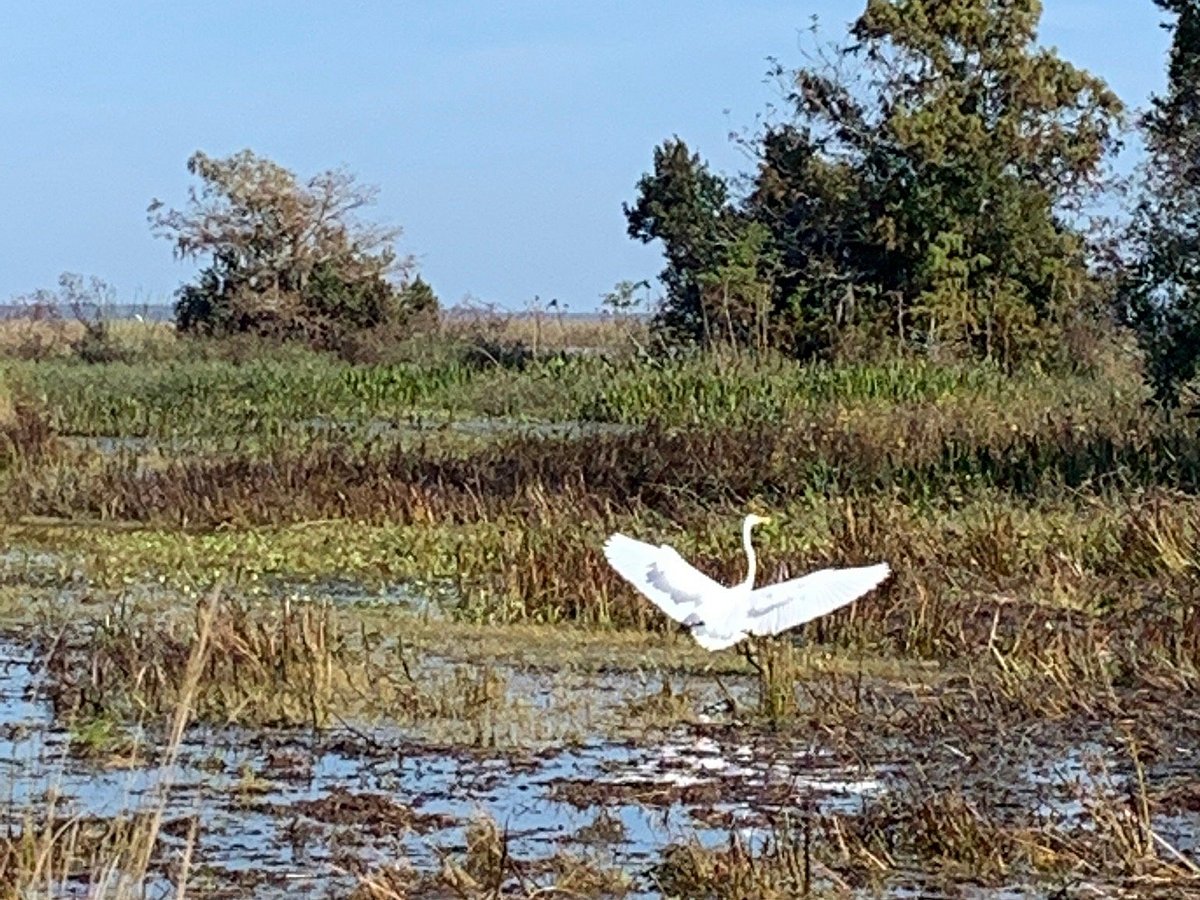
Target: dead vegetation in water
282 663
44 854
112 857
364 812
133 664
487 868
586 794
937 825
926 838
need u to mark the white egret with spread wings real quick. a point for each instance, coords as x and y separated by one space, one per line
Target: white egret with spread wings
718 616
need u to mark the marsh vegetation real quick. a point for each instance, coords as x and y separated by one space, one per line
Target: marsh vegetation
282 619
305 591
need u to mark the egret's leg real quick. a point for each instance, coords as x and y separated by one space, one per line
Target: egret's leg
746 652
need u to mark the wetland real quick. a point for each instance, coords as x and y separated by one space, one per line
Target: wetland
281 625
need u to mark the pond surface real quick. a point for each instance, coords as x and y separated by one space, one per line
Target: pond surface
389 797
286 811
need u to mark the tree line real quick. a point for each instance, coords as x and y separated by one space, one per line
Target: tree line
926 187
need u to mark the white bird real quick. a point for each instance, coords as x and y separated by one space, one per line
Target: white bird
720 616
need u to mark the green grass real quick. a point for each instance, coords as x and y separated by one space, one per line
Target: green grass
286 391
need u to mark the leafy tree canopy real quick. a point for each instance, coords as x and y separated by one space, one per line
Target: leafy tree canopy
1161 288
918 191
286 257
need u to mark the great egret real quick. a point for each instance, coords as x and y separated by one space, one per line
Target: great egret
718 616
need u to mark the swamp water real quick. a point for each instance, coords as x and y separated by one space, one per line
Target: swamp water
283 810
288 813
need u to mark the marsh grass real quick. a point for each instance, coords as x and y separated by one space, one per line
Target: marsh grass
7 407
1100 583
915 453
1044 531
54 337
111 857
933 838
133 665
48 853
954 838
235 389
26 437
283 663
782 867
776 664
487 868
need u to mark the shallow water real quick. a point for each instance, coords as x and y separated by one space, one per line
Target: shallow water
281 811
249 801
367 429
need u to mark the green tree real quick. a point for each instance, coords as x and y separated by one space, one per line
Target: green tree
920 189
285 257
1161 288
686 207
813 207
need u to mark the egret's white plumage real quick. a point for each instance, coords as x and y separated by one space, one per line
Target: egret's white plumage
720 616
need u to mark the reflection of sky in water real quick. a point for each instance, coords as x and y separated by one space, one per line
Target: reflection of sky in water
515 792
241 832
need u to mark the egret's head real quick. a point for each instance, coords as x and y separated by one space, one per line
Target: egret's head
752 520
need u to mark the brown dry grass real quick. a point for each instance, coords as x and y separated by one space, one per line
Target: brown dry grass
58 338
544 329
535 331
7 410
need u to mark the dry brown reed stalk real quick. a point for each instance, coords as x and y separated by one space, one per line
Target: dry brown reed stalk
784 867
51 851
56 337
488 871
184 711
542 330
272 665
26 438
30 338
942 833
7 408
1123 840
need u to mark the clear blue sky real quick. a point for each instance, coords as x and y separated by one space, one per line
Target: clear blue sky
503 136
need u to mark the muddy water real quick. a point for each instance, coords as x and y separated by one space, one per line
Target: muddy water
287 813
287 807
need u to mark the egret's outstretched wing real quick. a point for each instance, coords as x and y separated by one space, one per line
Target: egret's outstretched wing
662 576
785 605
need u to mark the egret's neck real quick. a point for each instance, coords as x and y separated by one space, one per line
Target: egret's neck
751 559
